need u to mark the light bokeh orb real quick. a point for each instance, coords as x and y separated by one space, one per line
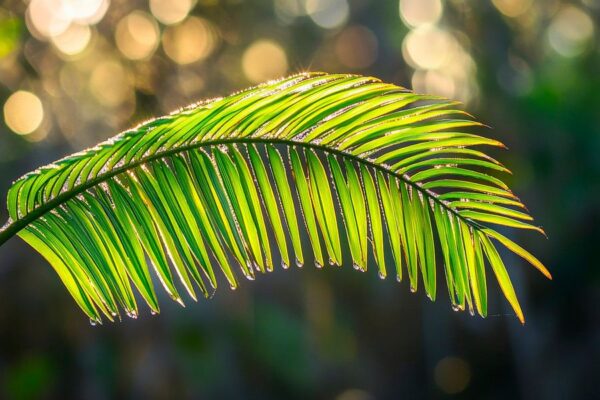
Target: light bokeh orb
415 13
74 40
356 47
328 14
263 60
452 375
109 83
427 47
171 11
137 35
23 112
193 40
570 31
512 8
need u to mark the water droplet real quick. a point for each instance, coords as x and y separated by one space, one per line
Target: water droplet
153 312
471 311
455 307
355 266
233 286
93 322
429 296
381 274
413 289
284 265
299 263
250 277
398 278
318 265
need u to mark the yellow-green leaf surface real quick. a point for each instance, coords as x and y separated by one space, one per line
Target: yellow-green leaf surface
322 169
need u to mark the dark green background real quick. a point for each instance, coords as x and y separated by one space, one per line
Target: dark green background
334 333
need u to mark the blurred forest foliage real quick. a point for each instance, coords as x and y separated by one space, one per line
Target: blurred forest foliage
74 72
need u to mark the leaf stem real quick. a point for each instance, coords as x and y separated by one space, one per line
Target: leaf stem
8 231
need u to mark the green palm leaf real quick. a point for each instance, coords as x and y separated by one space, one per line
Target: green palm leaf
233 184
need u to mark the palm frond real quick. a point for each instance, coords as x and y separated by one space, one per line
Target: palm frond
293 170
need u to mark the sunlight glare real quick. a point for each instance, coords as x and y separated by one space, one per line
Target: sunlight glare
49 18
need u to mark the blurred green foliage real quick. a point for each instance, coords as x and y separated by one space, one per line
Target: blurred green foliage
10 33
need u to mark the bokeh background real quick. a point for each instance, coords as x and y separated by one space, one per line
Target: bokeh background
74 72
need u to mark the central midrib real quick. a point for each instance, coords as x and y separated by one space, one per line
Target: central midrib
12 229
